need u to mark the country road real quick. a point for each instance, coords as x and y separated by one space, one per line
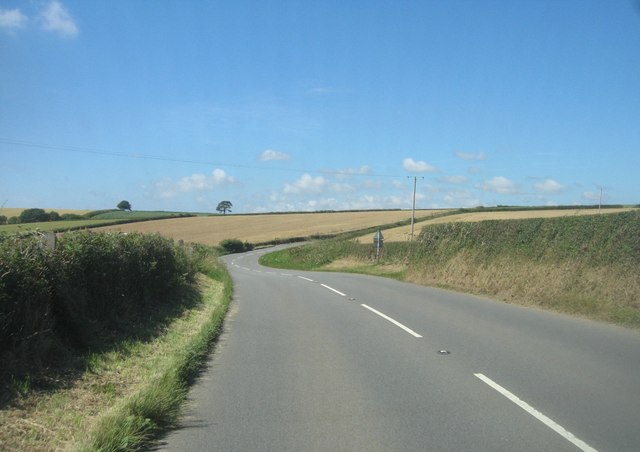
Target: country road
328 361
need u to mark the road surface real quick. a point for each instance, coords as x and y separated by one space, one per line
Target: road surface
328 361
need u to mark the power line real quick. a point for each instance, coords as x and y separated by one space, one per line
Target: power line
135 155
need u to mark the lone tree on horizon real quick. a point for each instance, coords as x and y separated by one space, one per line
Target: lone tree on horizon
124 205
224 206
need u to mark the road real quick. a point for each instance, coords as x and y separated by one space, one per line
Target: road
328 361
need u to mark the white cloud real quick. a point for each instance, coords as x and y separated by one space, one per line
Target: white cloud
345 173
57 19
418 167
169 188
549 186
308 184
591 196
500 185
471 156
453 179
270 154
460 198
11 19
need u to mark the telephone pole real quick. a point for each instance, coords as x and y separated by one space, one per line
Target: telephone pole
413 209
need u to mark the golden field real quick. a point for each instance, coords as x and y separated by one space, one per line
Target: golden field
264 228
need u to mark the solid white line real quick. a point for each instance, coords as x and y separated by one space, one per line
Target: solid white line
395 322
331 288
538 415
306 279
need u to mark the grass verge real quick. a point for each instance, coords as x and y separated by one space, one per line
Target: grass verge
127 395
584 266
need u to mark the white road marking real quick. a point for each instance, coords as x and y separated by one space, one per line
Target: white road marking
538 415
395 322
306 279
332 289
286 274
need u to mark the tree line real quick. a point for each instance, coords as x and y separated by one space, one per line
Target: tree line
38 216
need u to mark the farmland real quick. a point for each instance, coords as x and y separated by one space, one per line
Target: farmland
268 227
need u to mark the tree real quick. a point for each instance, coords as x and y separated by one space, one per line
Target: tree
3 219
124 205
33 216
224 206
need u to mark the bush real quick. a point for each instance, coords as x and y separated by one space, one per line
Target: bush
71 216
231 246
33 216
91 288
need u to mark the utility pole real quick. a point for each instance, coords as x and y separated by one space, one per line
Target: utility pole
413 209
600 202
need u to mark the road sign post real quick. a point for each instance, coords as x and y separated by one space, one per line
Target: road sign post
378 242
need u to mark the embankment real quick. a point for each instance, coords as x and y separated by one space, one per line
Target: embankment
580 265
587 265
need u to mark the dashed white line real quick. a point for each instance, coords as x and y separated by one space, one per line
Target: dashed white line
306 279
334 290
395 322
538 415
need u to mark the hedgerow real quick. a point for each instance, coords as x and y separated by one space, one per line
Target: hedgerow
90 288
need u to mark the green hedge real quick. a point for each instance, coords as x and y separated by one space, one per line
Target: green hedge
91 288
594 239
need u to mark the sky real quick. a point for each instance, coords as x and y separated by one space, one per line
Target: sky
287 105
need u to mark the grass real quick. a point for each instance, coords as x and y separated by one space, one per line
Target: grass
107 218
402 233
122 397
579 265
139 215
56 226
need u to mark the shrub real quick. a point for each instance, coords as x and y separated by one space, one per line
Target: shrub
231 246
33 216
91 288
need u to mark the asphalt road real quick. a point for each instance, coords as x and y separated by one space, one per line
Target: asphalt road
327 361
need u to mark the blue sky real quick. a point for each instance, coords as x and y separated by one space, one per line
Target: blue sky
318 105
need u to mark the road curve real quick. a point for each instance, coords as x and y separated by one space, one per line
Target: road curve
330 361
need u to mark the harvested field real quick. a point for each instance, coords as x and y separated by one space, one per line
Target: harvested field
264 228
402 233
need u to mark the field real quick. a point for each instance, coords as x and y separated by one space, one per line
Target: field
54 225
99 219
265 228
268 227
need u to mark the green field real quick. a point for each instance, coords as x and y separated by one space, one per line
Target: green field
140 215
56 226
92 220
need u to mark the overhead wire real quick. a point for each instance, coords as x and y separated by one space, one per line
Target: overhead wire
135 155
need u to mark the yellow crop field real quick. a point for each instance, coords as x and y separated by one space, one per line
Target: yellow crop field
403 233
263 228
